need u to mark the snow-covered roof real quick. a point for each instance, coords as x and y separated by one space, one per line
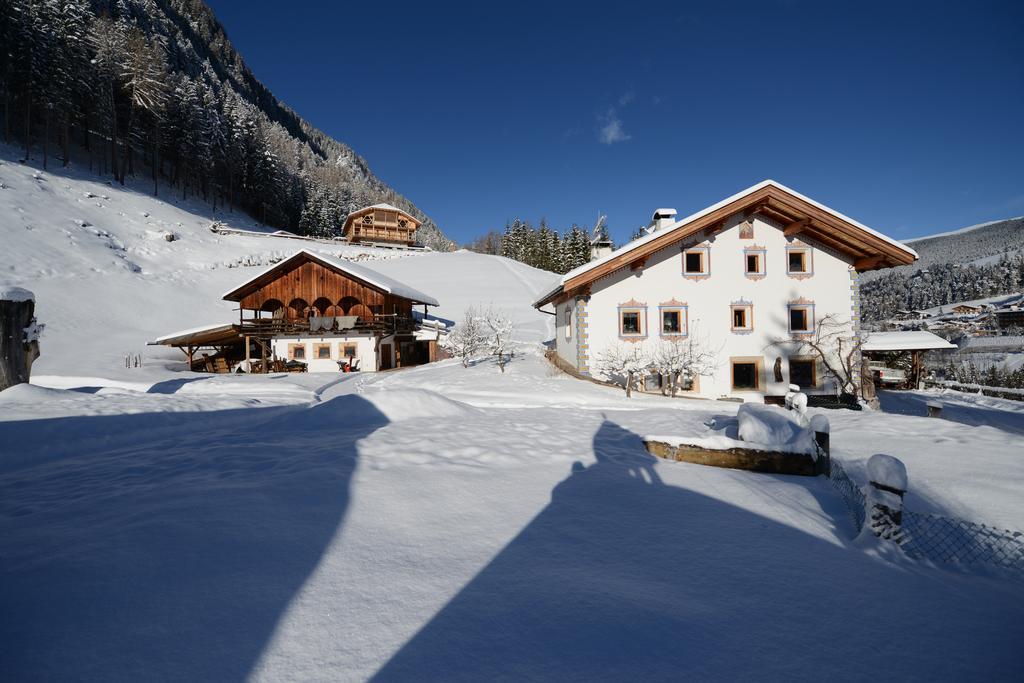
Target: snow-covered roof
383 207
909 340
640 242
371 277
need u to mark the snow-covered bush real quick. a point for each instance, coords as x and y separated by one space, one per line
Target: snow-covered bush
836 345
499 329
467 339
675 359
624 362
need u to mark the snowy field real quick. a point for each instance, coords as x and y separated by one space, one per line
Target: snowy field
435 523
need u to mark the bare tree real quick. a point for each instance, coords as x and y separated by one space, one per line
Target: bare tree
468 338
677 358
624 362
499 329
836 345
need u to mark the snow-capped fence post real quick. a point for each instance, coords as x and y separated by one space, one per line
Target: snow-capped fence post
822 430
934 409
19 336
884 500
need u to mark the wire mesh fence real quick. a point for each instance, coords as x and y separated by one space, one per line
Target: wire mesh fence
939 539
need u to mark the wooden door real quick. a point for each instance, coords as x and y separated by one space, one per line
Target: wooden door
385 356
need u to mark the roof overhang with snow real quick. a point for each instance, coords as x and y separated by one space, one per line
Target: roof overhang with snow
910 340
208 335
369 277
375 207
799 216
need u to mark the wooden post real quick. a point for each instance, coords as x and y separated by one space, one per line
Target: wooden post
248 361
934 409
19 345
884 500
822 430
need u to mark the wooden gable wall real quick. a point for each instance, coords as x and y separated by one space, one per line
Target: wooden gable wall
310 281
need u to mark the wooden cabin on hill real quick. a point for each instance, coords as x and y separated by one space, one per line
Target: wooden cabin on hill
381 224
313 313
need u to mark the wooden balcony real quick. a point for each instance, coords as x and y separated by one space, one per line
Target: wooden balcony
267 328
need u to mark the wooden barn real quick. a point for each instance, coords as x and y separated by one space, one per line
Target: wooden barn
312 313
381 224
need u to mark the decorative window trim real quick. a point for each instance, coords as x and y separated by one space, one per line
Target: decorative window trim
292 348
814 370
705 260
319 346
684 318
808 261
758 363
748 308
640 308
801 304
762 259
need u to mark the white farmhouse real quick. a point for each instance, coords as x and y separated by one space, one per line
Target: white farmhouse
744 279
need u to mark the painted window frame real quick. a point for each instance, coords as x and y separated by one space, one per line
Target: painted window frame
684 320
809 317
762 259
317 347
293 347
748 309
705 261
814 370
808 261
641 312
757 362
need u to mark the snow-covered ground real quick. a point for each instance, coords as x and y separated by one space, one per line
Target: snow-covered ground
439 522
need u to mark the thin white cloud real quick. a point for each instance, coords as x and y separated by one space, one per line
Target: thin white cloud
612 130
626 98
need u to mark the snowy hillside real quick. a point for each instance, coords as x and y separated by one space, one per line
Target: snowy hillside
108 280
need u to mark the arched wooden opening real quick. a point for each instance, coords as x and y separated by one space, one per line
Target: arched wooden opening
298 309
347 303
274 307
323 305
363 311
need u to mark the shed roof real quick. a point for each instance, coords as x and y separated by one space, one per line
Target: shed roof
908 340
370 277
206 335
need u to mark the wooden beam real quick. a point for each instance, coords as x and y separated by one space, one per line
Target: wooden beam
868 263
796 227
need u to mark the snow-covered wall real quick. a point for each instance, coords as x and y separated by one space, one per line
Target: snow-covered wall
709 300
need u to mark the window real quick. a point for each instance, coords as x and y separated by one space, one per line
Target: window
753 263
801 317
568 322
672 321
798 261
802 372
697 261
297 351
346 350
322 351
742 317
630 322
746 374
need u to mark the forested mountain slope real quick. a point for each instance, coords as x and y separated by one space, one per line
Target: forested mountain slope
972 263
154 87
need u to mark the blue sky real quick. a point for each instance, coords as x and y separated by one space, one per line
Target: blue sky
906 116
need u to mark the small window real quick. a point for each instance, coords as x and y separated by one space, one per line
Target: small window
802 372
798 261
695 262
297 351
753 263
347 350
671 322
745 375
742 317
568 322
801 319
322 351
630 323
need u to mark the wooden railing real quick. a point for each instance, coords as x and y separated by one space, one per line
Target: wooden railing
299 327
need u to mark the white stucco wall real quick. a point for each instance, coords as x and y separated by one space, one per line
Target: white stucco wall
709 300
365 351
565 346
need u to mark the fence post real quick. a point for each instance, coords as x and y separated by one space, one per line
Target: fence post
884 500
822 430
934 409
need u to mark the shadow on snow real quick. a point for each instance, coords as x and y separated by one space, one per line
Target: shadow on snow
170 545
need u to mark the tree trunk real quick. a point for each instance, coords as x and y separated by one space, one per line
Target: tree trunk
16 355
67 142
629 384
